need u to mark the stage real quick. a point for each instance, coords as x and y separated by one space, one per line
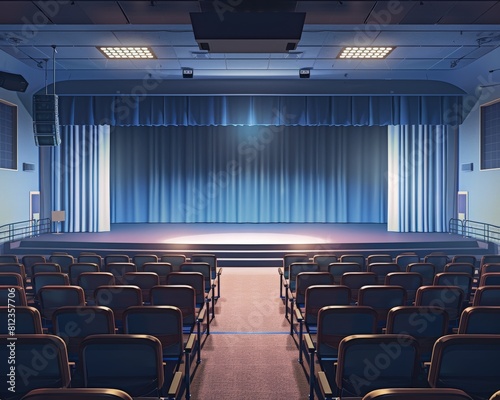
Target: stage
249 244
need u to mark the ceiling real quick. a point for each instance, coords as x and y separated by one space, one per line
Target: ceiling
434 40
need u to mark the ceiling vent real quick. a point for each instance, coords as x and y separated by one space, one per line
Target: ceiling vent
247 32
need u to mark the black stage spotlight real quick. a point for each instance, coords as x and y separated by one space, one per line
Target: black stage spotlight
187 72
305 73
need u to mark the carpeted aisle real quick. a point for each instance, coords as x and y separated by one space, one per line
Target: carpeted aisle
249 353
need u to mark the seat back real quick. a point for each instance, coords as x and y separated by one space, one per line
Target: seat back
132 363
163 322
338 269
27 320
392 361
11 279
438 260
180 296
298 267
140 259
319 296
382 298
63 260
324 260
403 260
203 268
356 280
357 258
162 269
42 279
175 260
449 298
480 320
52 297
465 258
119 269
487 296
462 267
337 322
90 258
90 281
425 324
417 394
112 258
118 298
489 259
410 281
144 280
381 269
307 279
378 258
13 295
9 259
73 324
193 279
467 362
211 259
36 268
427 270
490 278
41 362
76 269
488 268
461 279
292 258
29 259
77 394
17 268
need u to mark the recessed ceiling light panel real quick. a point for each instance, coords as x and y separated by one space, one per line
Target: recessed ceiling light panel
365 52
128 53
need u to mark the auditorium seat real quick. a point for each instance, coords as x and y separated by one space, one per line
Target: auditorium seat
480 319
357 258
63 260
461 279
78 268
77 394
13 295
467 362
42 279
90 258
44 267
381 269
9 259
144 280
33 369
463 267
378 258
417 394
465 258
51 297
11 279
140 259
118 298
490 278
162 269
27 320
73 324
487 296
438 260
132 363
410 281
296 268
425 324
324 260
211 259
405 259
381 298
338 269
427 270
487 269
334 324
356 280
17 268
379 361
284 270
317 297
90 281
118 269
449 298
175 260
205 269
29 259
112 258
302 282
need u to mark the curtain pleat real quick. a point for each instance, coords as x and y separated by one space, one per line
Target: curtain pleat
422 177
80 178
248 174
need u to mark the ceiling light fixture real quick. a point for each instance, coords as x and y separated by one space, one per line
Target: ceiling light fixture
127 53
365 52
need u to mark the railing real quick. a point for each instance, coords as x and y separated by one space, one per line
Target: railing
24 229
474 229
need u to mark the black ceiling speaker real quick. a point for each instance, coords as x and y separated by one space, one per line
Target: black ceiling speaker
46 120
247 32
13 82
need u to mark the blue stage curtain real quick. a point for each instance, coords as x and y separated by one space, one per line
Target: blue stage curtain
422 178
79 171
260 110
249 174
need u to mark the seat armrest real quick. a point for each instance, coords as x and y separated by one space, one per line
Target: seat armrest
298 314
188 348
280 271
175 385
309 343
218 271
201 315
324 386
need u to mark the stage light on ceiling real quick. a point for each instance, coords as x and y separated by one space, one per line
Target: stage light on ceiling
304 73
365 52
127 53
187 72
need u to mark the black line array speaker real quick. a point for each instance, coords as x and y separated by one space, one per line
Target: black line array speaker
14 82
46 120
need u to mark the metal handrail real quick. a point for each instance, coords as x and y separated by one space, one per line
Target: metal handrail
475 229
24 229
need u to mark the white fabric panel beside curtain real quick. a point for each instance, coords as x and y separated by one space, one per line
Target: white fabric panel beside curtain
80 178
422 178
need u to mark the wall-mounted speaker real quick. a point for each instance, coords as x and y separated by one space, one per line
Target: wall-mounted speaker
28 167
14 82
468 167
46 120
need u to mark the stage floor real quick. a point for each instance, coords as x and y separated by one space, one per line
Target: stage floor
242 234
